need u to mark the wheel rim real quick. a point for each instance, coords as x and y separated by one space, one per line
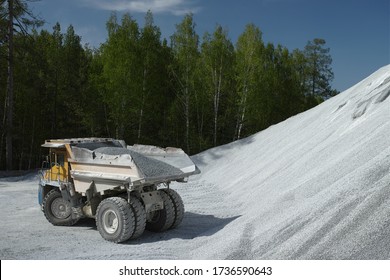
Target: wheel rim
110 221
154 216
60 208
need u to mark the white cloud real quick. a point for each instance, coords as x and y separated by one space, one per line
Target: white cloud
175 7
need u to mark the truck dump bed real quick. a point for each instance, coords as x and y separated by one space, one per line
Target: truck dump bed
111 164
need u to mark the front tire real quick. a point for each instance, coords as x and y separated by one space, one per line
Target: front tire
57 210
115 219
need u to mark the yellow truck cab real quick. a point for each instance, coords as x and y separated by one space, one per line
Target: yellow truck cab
58 166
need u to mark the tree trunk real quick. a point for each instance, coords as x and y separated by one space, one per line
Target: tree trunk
31 143
141 111
187 106
217 98
54 118
106 117
10 88
187 117
241 117
241 123
4 125
200 120
22 144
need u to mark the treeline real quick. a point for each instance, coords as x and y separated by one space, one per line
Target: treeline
187 92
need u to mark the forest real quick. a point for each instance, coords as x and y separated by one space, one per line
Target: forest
193 91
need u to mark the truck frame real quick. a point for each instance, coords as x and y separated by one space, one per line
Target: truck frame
126 189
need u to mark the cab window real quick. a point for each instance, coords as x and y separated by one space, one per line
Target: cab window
61 159
57 158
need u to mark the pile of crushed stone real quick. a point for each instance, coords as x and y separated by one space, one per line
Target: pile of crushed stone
150 167
92 146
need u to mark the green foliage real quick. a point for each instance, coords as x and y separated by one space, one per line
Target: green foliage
185 43
156 92
319 71
217 64
121 68
192 94
249 53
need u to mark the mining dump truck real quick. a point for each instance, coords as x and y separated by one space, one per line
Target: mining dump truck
126 189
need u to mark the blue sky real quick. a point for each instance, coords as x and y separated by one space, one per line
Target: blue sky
356 31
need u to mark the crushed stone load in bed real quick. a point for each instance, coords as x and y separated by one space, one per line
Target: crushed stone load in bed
96 145
150 167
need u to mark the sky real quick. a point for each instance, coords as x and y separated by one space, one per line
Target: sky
356 31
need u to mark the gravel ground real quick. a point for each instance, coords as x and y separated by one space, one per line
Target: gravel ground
25 234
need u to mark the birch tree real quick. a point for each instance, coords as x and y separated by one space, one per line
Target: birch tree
152 72
217 58
248 52
121 71
185 43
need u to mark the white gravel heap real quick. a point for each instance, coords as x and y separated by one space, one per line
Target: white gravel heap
150 167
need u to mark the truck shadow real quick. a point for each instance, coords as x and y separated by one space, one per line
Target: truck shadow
86 223
194 225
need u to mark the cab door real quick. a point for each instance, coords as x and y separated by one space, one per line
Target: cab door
59 166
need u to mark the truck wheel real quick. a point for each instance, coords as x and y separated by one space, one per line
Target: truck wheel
163 219
178 206
139 215
57 210
115 219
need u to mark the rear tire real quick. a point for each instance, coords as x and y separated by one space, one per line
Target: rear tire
139 215
57 210
115 219
163 219
178 206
